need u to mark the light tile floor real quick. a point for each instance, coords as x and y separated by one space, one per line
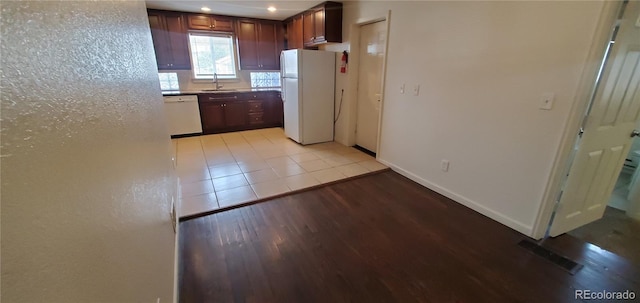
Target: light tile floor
227 169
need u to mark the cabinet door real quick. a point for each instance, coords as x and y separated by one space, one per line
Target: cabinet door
178 41
290 34
268 50
297 32
235 114
318 25
273 111
308 30
222 24
248 44
160 40
212 116
201 22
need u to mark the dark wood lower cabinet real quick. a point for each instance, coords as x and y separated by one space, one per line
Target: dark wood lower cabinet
274 112
212 115
235 114
234 111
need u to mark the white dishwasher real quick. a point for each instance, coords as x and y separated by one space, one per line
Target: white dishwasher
183 114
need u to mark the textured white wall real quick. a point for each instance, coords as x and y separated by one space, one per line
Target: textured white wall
86 173
482 67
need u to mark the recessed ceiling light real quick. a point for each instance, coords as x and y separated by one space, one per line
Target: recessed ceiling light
271 9
205 9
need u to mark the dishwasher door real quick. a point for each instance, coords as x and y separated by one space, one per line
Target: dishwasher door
183 115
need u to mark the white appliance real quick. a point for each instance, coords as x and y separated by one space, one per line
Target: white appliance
308 84
183 114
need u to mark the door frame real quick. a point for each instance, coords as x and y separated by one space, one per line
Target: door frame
586 87
353 76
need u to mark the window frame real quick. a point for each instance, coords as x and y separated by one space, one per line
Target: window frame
234 51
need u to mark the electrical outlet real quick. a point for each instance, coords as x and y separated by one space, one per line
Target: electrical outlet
416 90
546 101
444 165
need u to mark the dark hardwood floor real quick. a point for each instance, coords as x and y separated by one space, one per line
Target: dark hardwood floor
380 238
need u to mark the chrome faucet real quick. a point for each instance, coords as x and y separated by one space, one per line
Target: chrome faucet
216 82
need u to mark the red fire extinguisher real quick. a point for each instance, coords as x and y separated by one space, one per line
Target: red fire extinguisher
345 60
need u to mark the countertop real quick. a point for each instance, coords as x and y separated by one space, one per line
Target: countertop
239 90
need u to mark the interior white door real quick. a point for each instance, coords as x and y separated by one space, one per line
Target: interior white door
371 60
607 133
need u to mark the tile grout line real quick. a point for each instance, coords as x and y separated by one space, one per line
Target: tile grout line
215 194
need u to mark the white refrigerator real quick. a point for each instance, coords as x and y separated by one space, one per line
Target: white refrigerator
308 84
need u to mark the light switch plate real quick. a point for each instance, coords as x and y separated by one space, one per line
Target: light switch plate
402 88
546 101
416 90
444 165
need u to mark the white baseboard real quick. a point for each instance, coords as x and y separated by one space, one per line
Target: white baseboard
518 226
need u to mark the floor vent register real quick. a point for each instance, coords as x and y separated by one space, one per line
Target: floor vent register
569 265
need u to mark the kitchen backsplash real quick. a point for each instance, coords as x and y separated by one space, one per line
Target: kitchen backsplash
187 84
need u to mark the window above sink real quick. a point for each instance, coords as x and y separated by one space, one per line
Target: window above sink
212 53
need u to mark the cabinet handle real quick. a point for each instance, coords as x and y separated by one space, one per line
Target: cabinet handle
222 98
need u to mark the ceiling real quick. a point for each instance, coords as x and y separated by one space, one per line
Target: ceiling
254 9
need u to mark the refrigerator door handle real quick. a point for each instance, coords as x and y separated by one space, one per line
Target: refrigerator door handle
282 77
282 63
284 90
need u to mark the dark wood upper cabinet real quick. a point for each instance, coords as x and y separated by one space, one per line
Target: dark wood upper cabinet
160 40
248 44
170 41
210 23
308 28
259 44
318 25
326 23
294 33
270 44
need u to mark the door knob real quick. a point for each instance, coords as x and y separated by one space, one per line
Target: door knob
635 133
